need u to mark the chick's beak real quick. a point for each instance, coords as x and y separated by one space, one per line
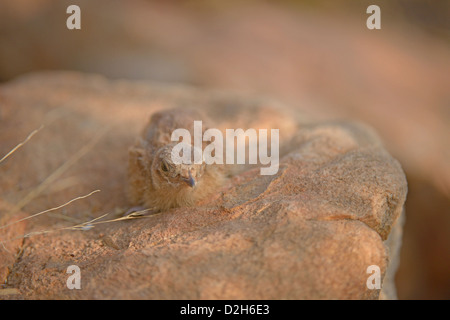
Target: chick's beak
190 180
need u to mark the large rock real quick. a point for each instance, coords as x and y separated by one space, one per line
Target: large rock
308 232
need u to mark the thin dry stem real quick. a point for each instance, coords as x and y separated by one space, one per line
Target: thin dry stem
58 172
20 144
49 210
82 226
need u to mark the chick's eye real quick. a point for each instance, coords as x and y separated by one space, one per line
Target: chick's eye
164 167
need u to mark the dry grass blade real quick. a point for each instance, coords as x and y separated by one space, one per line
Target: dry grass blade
20 144
91 223
36 233
49 210
82 226
58 172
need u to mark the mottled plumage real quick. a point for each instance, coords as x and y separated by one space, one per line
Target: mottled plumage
154 180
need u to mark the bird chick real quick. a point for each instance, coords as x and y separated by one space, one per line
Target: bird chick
158 183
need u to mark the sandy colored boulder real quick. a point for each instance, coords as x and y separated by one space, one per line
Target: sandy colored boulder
308 232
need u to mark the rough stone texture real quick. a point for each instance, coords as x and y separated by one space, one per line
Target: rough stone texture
9 250
308 232
317 57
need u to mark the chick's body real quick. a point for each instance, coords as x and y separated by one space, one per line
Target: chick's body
158 183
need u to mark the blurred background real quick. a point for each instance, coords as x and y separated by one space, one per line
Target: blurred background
316 56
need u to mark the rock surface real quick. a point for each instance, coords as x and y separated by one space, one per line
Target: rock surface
308 232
